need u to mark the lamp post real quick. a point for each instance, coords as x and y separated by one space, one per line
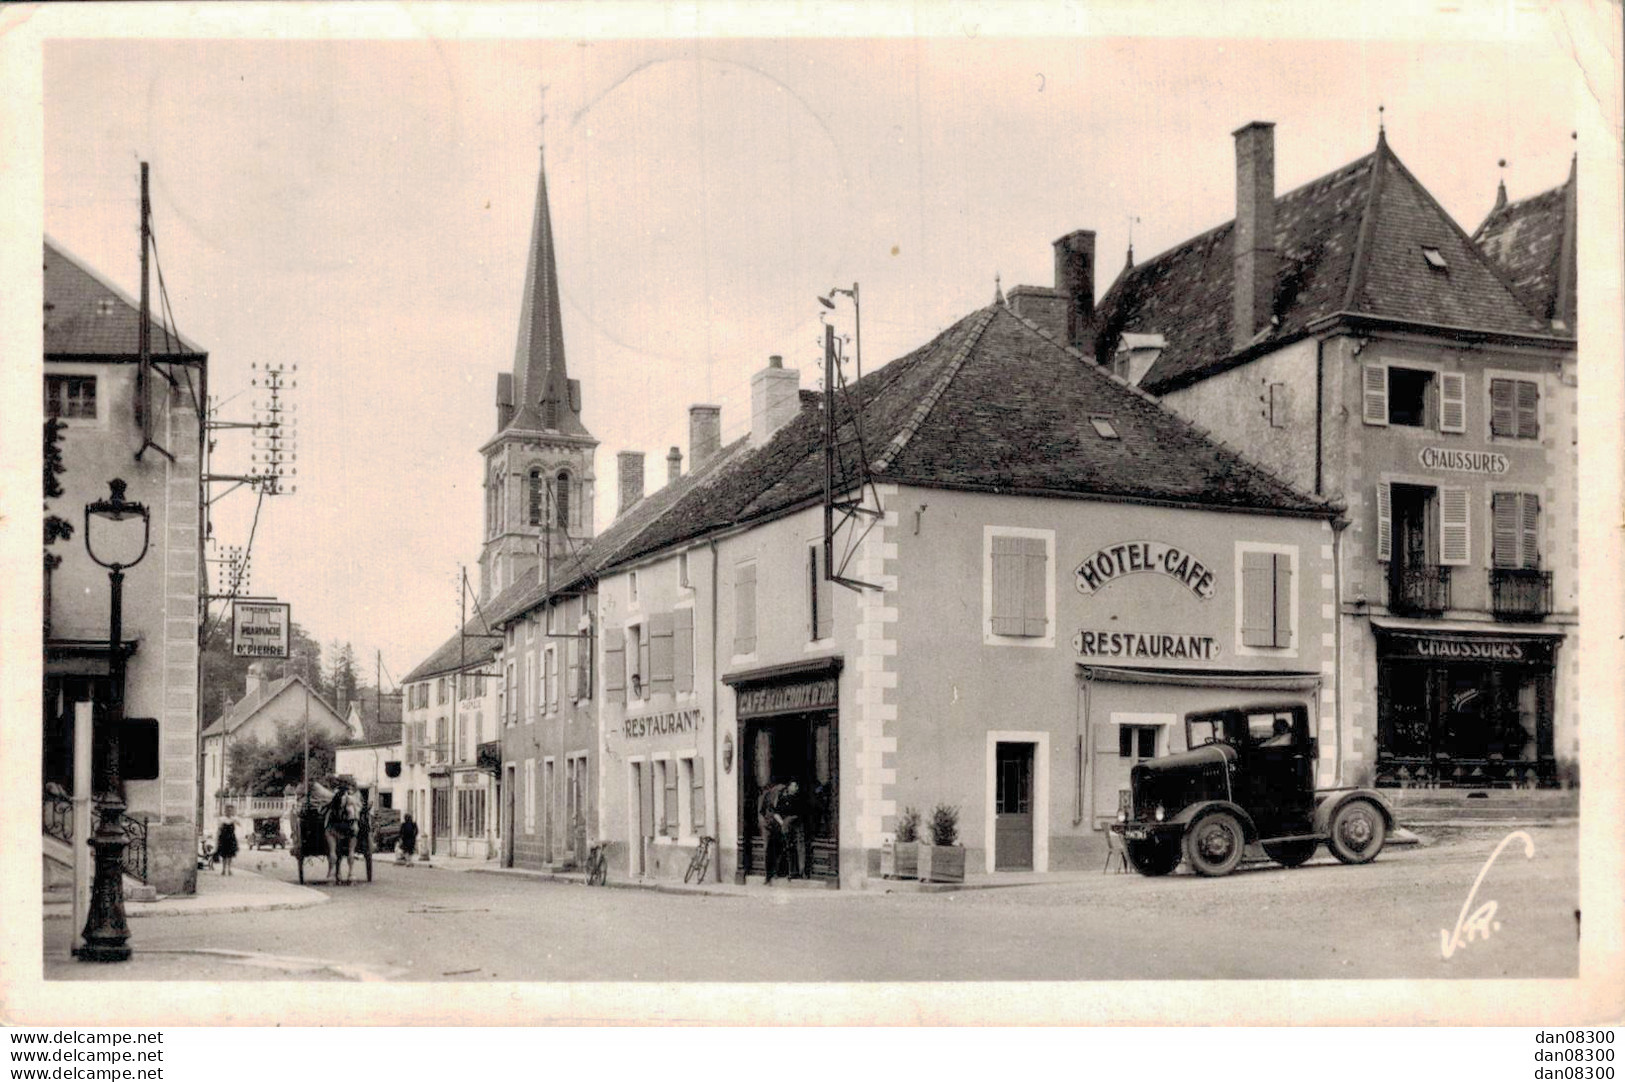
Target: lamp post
106 934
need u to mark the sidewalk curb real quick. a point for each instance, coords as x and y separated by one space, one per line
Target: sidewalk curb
195 906
581 881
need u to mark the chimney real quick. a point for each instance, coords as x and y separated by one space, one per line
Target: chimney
1253 278
704 434
631 475
1075 282
256 678
674 465
774 399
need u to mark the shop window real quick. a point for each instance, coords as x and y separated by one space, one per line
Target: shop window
70 398
820 595
1017 586
745 608
1136 741
1515 408
1266 599
1515 529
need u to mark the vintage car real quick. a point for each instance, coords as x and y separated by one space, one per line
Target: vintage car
268 833
1248 777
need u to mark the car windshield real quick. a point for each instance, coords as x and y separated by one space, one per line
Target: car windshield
1206 731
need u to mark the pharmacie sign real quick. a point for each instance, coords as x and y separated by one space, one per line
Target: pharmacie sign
1446 458
671 722
260 628
1154 557
1145 645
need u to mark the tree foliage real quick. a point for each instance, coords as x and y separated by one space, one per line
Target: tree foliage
56 528
268 768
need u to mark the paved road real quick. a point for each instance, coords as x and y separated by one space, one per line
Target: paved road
1322 920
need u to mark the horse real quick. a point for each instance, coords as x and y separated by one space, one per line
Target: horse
342 823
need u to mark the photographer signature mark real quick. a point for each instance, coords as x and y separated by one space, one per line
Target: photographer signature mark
1481 923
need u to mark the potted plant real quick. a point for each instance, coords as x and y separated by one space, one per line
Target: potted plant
899 858
943 859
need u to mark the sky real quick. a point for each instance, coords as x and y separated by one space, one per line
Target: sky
361 209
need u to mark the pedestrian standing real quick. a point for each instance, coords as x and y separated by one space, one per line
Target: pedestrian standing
225 844
409 838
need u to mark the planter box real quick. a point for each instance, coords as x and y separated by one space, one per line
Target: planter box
941 863
899 860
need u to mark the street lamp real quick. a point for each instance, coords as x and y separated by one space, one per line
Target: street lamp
106 934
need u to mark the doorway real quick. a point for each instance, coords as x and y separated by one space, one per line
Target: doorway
1013 807
803 748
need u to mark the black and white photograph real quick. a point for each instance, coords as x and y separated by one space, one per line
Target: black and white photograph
886 506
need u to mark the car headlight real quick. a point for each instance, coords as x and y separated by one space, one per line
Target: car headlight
1159 813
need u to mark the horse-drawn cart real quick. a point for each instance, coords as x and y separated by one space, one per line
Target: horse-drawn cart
335 824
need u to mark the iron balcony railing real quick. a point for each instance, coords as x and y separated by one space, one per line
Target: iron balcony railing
1418 589
1520 593
57 821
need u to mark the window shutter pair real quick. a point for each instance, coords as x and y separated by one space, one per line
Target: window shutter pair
1266 599
615 665
745 608
682 645
1515 529
1515 408
660 653
1020 586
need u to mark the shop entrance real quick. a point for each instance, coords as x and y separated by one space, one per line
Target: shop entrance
799 748
1013 808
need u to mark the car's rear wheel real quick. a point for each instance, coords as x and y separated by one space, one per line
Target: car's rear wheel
1358 832
1290 854
1214 844
1155 856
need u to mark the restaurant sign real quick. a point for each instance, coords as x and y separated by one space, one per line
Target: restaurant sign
669 723
1444 458
1132 557
787 698
1132 645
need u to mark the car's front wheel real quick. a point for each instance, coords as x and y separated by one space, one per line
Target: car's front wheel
1155 856
1214 844
1358 832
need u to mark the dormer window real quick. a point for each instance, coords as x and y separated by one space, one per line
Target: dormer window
1435 258
1104 428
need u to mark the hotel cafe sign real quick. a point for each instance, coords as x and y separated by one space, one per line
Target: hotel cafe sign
1153 557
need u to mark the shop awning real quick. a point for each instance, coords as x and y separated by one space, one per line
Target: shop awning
1200 678
1463 627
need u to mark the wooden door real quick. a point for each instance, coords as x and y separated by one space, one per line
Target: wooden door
1013 807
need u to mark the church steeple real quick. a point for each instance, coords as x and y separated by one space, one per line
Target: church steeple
543 396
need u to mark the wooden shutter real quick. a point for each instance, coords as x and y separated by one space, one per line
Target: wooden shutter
1257 599
1455 542
572 666
553 680
682 645
1528 403
1035 594
646 799
1009 588
745 608
697 794
660 653
1503 415
1283 599
1374 393
1385 521
615 665
1529 530
1504 529
1452 402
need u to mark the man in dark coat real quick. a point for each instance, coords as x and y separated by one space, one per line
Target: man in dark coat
776 814
409 838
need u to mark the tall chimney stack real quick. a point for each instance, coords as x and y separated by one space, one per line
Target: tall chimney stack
674 465
704 434
1075 282
630 468
1254 257
774 399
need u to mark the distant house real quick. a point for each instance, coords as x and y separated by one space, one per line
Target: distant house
267 707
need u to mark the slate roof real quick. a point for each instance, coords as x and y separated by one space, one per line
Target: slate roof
1533 242
88 316
1349 242
238 713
